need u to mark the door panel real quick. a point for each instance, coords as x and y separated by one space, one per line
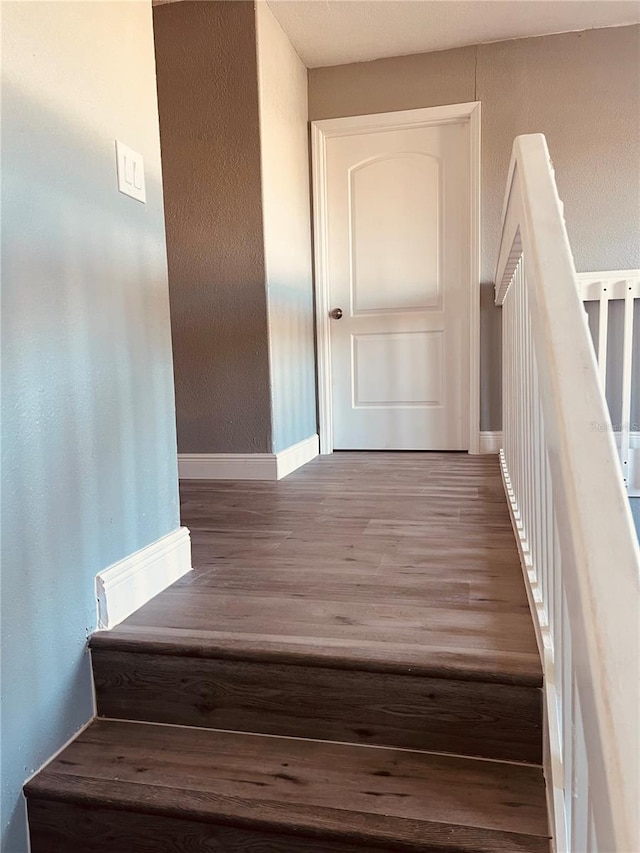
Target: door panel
394 205
379 377
398 226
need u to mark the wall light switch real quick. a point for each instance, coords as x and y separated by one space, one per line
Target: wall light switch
130 166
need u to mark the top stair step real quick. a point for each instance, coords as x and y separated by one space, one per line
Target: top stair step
522 668
413 697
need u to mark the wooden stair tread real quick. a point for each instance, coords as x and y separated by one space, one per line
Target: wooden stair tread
386 621
437 661
379 561
388 798
370 599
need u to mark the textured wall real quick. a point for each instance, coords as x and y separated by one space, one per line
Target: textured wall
209 130
287 231
399 83
580 89
88 435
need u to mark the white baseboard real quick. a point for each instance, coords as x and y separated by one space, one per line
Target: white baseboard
490 442
128 584
247 466
296 456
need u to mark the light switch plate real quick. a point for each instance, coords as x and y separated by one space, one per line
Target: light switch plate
130 166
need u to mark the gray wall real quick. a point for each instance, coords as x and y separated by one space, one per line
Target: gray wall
635 512
88 434
615 341
580 89
287 231
209 129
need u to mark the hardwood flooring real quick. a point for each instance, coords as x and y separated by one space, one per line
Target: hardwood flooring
355 661
312 701
356 566
329 796
367 550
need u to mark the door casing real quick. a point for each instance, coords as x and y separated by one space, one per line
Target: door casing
320 132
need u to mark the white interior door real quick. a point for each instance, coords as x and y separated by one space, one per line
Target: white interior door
398 254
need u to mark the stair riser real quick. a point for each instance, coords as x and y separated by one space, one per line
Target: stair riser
61 827
498 721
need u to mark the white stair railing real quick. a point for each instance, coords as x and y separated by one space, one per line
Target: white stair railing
612 289
572 518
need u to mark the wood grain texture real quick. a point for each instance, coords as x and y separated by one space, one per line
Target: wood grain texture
201 781
317 618
337 625
440 714
315 599
386 554
60 827
484 665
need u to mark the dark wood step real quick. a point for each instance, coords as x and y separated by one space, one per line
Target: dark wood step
485 704
122 787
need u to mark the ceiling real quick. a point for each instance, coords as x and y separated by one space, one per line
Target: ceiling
333 32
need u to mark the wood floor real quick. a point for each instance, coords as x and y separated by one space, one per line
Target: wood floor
364 798
357 565
342 630
377 556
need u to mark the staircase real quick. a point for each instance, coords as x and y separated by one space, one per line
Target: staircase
351 666
568 496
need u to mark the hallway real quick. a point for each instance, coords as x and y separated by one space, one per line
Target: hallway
377 556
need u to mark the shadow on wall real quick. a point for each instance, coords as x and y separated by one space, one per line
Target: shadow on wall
221 363
88 434
490 360
293 377
210 132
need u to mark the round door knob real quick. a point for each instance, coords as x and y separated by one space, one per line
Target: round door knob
336 313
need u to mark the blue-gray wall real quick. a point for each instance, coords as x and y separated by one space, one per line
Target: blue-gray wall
88 436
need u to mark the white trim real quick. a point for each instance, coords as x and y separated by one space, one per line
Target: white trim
321 265
128 584
247 466
474 278
617 278
490 442
623 287
632 473
61 749
296 456
403 119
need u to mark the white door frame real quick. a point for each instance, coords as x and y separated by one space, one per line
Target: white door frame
401 120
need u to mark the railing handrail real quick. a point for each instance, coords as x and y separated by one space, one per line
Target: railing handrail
595 527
